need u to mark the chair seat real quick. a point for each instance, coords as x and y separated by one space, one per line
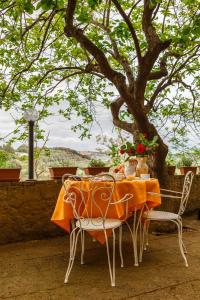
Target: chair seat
160 215
97 223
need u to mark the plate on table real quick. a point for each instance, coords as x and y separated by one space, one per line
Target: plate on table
144 179
86 177
119 177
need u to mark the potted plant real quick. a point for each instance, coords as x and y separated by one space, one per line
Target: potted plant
171 164
9 170
185 165
95 167
61 167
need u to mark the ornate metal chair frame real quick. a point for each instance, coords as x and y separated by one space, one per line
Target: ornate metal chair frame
89 223
151 215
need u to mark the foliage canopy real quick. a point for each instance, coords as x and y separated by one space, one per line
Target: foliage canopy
80 53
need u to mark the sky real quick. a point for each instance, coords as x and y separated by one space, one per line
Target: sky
61 134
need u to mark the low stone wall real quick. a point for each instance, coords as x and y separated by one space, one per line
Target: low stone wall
176 183
26 207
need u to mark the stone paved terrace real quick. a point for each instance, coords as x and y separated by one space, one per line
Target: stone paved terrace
35 270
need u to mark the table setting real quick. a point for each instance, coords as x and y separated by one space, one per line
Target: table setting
130 179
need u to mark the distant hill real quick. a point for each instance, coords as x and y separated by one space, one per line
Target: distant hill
54 156
95 155
62 155
72 152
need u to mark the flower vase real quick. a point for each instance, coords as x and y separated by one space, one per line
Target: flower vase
131 168
142 167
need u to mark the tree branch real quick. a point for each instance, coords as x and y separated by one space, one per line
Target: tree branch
4 10
155 45
72 31
157 91
147 26
164 17
115 109
108 14
163 66
50 90
39 19
131 28
116 55
17 76
186 61
172 78
132 8
58 69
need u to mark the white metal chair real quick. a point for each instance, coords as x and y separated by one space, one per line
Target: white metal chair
92 217
151 215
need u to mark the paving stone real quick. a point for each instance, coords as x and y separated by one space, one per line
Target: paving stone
35 270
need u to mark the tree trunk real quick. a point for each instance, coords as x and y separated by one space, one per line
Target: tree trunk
159 169
159 164
144 126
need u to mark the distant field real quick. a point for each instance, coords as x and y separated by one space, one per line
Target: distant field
54 157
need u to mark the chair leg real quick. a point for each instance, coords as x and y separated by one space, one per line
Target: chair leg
72 243
113 257
120 246
180 240
146 235
108 255
133 239
82 246
73 246
140 239
143 240
135 231
184 248
179 225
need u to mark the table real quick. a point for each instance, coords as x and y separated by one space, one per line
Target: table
63 214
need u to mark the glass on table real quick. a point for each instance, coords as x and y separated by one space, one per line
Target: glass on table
119 176
145 176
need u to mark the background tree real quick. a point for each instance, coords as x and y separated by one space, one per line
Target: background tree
4 157
139 58
8 148
22 148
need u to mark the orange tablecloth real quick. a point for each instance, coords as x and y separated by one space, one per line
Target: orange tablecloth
63 213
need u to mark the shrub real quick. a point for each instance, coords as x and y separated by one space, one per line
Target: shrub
96 163
170 161
6 161
185 161
61 163
3 159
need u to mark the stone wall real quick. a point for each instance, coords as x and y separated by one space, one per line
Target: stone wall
26 207
176 183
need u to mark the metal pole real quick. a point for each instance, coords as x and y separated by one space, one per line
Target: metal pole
31 151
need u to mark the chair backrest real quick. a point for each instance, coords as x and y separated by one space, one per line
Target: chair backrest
89 196
71 176
186 191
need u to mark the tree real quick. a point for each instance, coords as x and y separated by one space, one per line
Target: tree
130 55
8 148
22 148
4 157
